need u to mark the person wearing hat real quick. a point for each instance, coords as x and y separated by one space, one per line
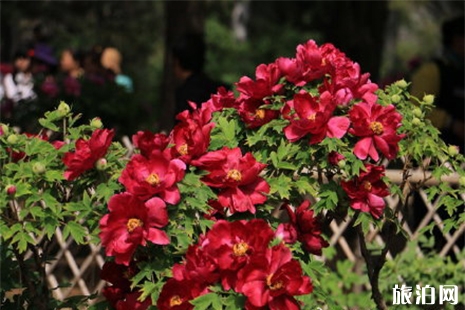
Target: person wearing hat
111 60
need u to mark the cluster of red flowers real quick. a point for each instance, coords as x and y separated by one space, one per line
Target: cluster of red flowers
320 93
238 255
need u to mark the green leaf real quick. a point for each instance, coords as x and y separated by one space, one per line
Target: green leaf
48 124
280 185
77 231
207 301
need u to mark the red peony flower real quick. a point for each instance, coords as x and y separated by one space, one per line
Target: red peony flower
231 244
87 153
376 125
314 118
237 178
266 83
366 191
131 302
198 267
157 175
147 142
334 158
222 99
302 226
177 294
131 223
272 280
253 113
119 276
191 136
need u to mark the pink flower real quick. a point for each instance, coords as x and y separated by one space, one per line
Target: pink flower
157 175
302 226
87 153
376 125
313 117
236 177
272 280
366 191
130 223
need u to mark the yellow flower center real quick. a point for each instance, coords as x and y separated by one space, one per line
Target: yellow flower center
175 301
133 223
273 285
312 117
367 185
183 149
234 174
153 179
240 248
260 113
377 128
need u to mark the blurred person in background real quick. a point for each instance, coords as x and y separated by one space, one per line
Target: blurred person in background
19 84
111 60
444 78
189 59
71 65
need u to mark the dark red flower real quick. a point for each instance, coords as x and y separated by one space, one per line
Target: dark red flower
376 125
157 175
302 226
366 191
147 142
131 302
237 178
231 244
198 267
314 117
273 280
130 223
175 295
119 276
87 153
334 158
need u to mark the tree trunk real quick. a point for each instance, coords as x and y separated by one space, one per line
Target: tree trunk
180 17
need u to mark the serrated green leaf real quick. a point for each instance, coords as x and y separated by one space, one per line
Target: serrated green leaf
48 124
77 232
207 301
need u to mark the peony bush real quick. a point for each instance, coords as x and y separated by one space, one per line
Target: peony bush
230 210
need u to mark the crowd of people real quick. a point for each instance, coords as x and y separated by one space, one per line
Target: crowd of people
36 79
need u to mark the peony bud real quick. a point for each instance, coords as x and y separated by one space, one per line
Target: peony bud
401 83
341 164
63 108
38 168
12 139
416 121
428 99
96 122
10 190
101 164
395 98
417 112
453 150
